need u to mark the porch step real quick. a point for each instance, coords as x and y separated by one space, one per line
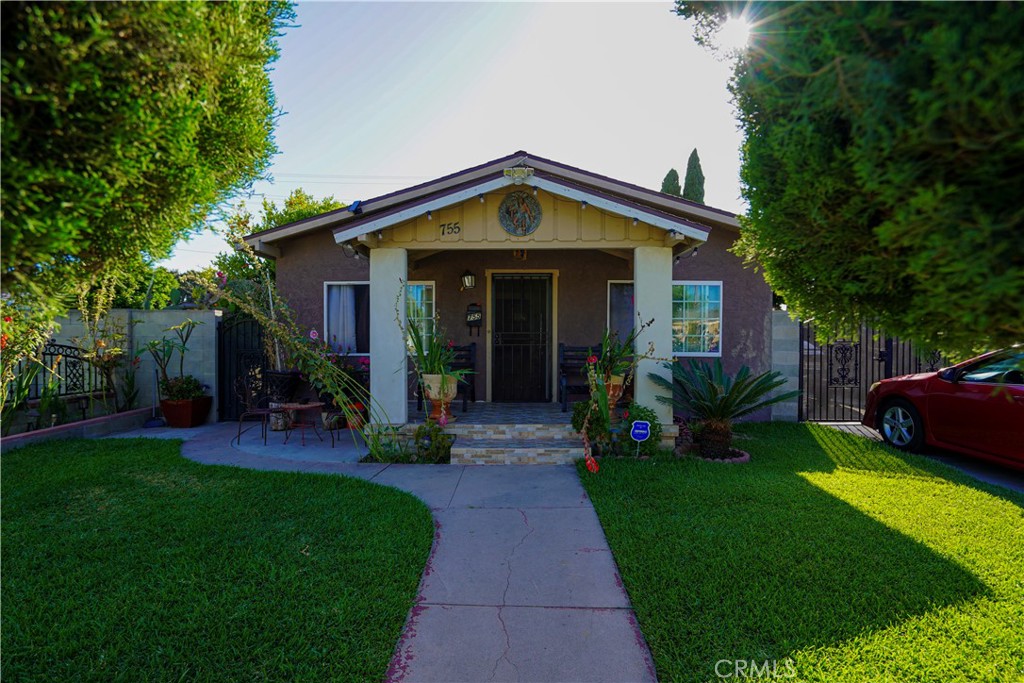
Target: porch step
504 432
521 451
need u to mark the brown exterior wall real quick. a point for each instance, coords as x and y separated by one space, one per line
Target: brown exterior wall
307 262
746 302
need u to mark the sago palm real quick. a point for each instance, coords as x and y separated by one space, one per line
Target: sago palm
708 393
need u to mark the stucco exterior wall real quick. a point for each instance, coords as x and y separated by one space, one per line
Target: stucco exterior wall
305 264
746 302
145 326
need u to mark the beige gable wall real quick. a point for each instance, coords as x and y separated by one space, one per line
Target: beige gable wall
564 223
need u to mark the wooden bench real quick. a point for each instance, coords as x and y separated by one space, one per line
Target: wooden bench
572 373
465 359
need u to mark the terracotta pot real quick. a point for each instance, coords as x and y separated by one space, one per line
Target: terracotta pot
190 412
440 401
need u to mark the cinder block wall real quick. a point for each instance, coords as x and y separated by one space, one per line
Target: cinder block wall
144 326
786 360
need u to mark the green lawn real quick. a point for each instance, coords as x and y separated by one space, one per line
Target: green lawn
124 561
853 561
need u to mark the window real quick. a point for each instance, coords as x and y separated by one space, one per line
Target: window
419 306
696 318
347 313
347 316
620 307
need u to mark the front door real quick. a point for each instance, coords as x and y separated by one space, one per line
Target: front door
521 328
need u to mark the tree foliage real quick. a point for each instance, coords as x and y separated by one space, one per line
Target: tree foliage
884 163
124 124
141 284
693 185
242 264
670 185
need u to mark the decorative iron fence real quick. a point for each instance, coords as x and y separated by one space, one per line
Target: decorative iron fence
74 375
835 376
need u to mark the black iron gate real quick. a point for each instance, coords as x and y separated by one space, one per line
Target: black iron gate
835 376
239 351
521 350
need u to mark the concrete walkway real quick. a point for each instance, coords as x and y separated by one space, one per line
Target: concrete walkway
520 584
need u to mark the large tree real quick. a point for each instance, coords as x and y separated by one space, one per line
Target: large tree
124 124
670 185
884 163
693 185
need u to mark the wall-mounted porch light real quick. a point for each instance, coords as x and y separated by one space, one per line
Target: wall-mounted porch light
468 281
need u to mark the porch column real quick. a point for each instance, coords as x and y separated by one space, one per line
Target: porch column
388 271
652 291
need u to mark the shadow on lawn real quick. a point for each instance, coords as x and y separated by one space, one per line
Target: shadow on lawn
755 562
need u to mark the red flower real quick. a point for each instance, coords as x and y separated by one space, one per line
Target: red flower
592 465
451 343
625 414
7 318
3 341
592 360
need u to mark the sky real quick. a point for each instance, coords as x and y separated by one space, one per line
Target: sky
377 96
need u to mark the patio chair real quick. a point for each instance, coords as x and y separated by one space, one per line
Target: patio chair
255 404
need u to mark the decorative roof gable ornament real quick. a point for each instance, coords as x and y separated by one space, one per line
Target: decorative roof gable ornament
518 174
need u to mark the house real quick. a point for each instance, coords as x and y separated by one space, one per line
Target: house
557 254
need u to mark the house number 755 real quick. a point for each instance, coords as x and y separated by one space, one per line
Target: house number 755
450 229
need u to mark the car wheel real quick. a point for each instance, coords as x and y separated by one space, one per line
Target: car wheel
902 426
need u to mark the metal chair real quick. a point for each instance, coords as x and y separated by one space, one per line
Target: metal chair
249 390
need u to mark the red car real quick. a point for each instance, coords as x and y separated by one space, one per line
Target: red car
975 408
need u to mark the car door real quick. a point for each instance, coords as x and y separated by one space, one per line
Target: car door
983 409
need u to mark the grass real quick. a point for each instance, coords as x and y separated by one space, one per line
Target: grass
829 556
124 561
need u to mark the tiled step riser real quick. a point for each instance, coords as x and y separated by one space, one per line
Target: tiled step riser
515 456
504 432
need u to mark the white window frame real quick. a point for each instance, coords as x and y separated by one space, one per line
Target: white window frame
328 283
426 283
721 320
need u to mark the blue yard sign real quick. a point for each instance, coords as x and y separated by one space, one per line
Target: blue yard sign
641 430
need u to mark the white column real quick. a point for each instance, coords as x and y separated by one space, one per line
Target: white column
652 291
388 377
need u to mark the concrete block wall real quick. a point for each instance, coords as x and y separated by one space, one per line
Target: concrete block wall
786 360
144 326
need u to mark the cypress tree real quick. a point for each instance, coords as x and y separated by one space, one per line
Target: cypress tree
670 185
693 188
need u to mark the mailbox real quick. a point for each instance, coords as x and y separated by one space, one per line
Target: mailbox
474 318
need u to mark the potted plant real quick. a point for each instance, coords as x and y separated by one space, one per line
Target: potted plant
432 357
715 398
615 365
184 401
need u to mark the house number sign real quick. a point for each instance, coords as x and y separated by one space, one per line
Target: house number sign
450 231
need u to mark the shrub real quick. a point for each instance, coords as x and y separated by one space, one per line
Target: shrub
432 444
706 392
181 388
632 414
597 428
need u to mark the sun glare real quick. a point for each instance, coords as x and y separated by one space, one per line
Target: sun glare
734 34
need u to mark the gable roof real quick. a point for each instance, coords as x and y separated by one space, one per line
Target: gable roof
661 210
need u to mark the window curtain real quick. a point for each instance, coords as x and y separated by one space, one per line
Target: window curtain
342 321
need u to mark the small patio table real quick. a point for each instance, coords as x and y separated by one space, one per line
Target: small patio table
302 421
